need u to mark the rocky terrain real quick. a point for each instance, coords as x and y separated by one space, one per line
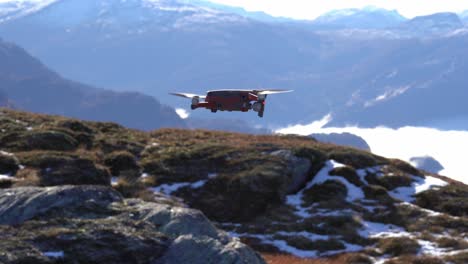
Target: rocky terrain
98 192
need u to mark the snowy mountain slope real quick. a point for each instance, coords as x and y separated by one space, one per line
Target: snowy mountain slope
256 15
17 8
112 14
364 76
366 18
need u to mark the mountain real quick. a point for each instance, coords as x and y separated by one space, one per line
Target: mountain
365 18
17 8
256 15
433 24
287 197
365 77
27 84
424 74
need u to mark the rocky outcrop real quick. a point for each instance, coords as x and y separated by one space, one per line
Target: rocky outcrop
92 224
286 194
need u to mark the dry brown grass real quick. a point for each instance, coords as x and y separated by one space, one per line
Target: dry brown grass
340 259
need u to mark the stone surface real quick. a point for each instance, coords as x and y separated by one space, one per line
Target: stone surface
94 224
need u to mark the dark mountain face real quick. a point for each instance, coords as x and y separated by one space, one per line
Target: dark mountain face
433 24
29 85
364 78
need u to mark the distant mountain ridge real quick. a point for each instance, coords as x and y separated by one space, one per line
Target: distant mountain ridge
27 84
365 18
364 77
433 24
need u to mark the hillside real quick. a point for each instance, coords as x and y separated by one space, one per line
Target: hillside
27 84
279 194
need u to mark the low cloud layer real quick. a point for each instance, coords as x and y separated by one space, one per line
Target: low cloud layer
450 148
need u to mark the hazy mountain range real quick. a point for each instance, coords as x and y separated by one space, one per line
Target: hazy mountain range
367 67
25 83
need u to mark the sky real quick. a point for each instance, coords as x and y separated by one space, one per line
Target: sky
450 148
310 9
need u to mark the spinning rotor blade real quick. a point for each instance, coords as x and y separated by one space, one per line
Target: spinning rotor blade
273 91
188 95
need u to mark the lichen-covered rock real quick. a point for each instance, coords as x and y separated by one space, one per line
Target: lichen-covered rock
94 224
21 204
196 250
297 167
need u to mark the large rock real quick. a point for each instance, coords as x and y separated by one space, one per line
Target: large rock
297 167
94 224
21 204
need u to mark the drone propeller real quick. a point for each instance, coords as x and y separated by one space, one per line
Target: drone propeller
272 91
188 95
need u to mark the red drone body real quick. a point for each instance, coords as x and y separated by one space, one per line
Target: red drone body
232 100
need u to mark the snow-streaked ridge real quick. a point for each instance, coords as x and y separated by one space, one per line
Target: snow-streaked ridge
18 8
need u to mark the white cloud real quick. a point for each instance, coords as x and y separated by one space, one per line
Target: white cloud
182 113
450 148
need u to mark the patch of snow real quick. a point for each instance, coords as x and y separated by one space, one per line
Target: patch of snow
114 181
284 247
198 184
144 175
212 175
54 254
6 153
362 173
389 94
295 200
430 248
280 244
6 177
308 235
418 185
373 229
168 189
427 211
354 192
182 113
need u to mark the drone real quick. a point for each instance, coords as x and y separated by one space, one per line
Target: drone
232 100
